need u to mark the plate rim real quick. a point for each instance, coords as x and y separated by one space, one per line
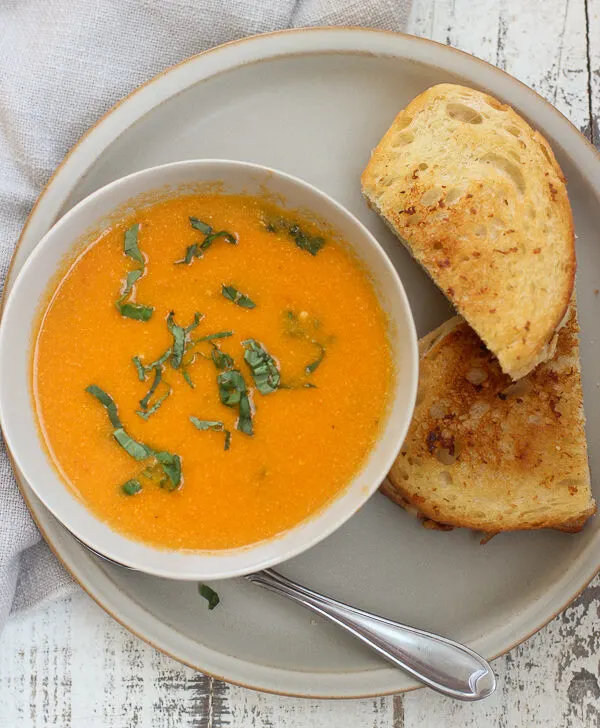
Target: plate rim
292 34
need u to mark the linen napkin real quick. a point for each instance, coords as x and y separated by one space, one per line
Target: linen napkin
64 63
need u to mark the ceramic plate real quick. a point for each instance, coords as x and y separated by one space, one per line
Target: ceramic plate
314 103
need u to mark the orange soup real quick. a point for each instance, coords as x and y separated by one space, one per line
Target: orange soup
211 371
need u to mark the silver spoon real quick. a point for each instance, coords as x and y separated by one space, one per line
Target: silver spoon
439 663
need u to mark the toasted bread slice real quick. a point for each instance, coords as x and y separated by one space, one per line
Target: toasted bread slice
485 453
480 201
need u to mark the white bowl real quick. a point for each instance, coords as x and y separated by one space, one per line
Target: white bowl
18 418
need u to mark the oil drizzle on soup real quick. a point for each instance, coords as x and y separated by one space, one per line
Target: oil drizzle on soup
236 386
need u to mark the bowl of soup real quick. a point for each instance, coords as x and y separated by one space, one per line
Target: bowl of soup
206 368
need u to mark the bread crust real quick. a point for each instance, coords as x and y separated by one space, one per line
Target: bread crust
480 201
488 454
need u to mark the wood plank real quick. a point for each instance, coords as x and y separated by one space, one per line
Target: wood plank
593 58
249 709
542 44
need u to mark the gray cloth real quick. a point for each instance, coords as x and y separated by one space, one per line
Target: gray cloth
64 63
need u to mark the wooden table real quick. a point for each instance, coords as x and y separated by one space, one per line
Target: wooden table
68 664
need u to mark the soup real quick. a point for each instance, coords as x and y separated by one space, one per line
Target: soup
211 371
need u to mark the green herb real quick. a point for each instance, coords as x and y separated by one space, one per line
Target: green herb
108 402
213 425
170 464
131 244
310 368
239 298
136 311
126 308
311 243
210 595
131 487
157 379
137 450
199 225
302 330
263 367
233 391
188 379
211 337
191 252
143 370
221 359
209 239
197 249
180 337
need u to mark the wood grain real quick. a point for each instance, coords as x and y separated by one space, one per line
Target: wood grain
68 664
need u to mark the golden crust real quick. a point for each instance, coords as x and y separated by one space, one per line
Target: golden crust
489 454
480 201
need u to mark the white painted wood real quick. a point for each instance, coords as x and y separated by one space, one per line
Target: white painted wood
68 664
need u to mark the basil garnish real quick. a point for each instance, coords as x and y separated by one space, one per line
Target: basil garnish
169 463
199 225
180 337
311 243
131 487
239 298
213 425
221 359
130 309
108 402
197 249
310 368
262 365
233 391
210 595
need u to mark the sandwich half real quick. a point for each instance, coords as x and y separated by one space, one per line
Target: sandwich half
480 201
490 454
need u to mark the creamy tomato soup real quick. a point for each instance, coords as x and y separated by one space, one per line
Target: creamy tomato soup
211 371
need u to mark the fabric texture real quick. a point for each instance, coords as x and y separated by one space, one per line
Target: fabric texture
64 63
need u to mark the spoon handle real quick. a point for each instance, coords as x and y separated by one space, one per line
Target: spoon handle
440 663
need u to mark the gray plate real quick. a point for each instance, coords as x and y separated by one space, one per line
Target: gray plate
313 103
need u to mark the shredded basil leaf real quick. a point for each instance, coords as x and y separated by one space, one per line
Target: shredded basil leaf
131 487
311 243
136 311
233 391
199 225
221 359
155 383
180 339
168 462
171 465
210 595
239 298
197 249
108 402
263 367
209 239
191 252
211 337
129 309
310 368
131 244
137 450
213 425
